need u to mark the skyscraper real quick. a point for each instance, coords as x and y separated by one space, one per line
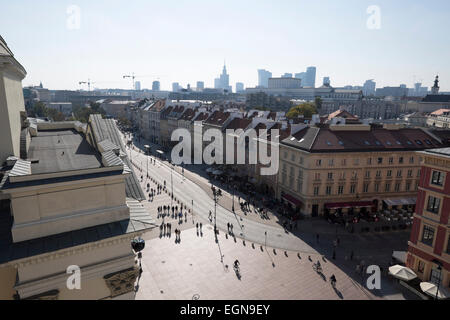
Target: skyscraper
175 87
287 75
137 85
239 87
369 88
156 86
310 79
200 85
263 78
302 76
223 82
326 81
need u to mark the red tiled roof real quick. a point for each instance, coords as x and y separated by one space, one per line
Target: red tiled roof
188 115
218 118
238 123
202 116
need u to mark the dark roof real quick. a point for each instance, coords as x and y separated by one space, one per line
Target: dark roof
437 98
188 115
106 129
238 123
10 251
62 150
314 139
202 116
218 118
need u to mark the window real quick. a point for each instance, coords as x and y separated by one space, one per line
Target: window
378 173
391 160
291 171
366 188
387 187
380 160
344 162
354 175
300 174
436 276
353 188
319 162
421 266
418 173
291 182
428 235
408 186
399 173
316 191
293 157
301 160
356 162
285 155
369 161
411 160
377 187
389 173
410 173
284 167
328 190
330 175
367 174
433 204
448 245
400 160
397 187
437 178
340 189
299 185
331 162
317 176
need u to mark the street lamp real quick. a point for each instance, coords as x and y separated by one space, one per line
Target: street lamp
439 267
138 245
217 193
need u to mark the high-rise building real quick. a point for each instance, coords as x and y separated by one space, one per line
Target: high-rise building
239 87
326 81
287 75
369 87
175 87
302 76
137 85
263 78
200 85
156 86
310 79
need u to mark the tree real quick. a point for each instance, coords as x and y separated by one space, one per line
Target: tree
318 102
55 115
306 109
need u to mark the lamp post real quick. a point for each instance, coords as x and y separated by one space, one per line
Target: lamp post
171 183
147 148
138 245
439 267
217 193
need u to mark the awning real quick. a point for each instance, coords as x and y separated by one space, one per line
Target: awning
356 204
160 152
292 200
400 256
400 202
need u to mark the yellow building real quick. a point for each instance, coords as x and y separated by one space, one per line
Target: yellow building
343 168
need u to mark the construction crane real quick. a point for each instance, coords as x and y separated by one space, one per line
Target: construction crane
133 78
88 83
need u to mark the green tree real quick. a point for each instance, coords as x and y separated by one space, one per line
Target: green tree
306 109
318 103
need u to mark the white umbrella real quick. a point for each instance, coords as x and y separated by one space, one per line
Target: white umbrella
402 272
431 289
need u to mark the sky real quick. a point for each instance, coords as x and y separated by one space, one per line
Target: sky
187 41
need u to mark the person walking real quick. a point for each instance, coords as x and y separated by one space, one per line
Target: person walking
161 230
201 226
164 229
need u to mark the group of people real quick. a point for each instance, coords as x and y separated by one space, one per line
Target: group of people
165 229
199 228
230 228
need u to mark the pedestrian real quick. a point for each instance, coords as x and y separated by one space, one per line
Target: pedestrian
201 226
170 228
228 227
164 229
161 229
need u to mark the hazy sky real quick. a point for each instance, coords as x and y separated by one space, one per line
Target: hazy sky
187 41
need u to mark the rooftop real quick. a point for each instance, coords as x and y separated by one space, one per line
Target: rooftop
441 151
61 150
314 139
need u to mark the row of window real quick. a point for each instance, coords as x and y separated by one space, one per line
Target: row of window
428 237
377 187
330 175
356 161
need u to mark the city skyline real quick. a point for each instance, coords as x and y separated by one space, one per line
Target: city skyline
390 55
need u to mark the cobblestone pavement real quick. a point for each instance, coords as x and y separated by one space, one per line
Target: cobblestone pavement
194 267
